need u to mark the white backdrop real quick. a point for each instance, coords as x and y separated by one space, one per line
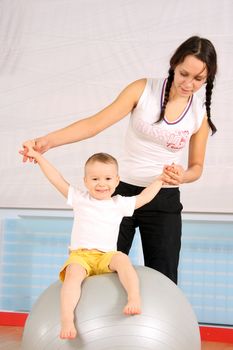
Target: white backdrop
62 60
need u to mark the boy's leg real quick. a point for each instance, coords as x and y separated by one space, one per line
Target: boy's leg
121 263
70 294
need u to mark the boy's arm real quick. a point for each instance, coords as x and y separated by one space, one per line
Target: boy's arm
50 171
53 175
148 193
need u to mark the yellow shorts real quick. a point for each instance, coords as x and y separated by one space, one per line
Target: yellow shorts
94 262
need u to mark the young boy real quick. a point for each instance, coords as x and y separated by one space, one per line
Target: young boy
97 216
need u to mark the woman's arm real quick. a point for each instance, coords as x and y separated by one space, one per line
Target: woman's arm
175 174
91 126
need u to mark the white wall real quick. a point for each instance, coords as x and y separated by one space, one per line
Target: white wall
62 60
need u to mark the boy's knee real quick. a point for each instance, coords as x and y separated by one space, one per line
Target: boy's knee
75 271
122 257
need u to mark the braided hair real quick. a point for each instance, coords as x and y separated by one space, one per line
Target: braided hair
204 50
170 79
208 95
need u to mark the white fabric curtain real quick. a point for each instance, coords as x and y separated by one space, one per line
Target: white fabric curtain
62 60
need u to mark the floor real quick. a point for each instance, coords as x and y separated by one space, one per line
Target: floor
10 338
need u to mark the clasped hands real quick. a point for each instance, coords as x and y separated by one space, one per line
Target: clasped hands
173 174
40 145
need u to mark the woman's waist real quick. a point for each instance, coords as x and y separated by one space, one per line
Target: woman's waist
140 181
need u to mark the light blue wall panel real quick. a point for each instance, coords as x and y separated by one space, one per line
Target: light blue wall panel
206 269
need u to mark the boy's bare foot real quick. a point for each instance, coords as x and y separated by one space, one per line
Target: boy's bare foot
133 307
68 330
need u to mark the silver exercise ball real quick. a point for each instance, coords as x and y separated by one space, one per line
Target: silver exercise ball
167 321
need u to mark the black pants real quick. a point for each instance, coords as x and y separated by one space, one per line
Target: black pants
159 223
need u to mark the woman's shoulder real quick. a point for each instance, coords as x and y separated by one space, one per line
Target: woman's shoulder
198 110
152 82
198 102
138 84
148 88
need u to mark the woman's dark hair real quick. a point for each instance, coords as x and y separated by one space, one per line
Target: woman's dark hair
204 50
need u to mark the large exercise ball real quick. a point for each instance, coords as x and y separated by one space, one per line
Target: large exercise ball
167 321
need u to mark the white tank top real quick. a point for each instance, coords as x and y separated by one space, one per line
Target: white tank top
148 145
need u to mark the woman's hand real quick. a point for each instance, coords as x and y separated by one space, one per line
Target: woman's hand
173 174
40 145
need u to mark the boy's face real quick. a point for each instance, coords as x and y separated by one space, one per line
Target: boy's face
101 179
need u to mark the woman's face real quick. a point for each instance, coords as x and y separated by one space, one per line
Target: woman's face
189 76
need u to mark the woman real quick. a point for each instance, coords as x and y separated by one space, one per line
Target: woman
166 116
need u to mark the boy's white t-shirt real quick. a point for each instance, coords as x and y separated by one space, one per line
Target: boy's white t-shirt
96 222
150 145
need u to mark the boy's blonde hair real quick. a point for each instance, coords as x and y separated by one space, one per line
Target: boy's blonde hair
102 158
